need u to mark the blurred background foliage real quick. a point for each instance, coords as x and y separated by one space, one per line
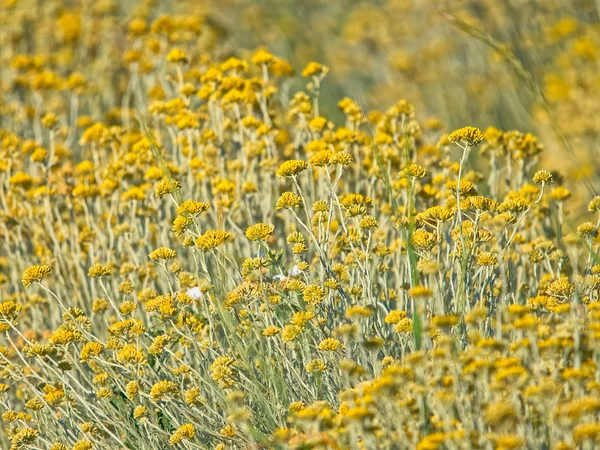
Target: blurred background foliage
378 51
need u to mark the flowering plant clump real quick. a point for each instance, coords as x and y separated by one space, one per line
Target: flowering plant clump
202 258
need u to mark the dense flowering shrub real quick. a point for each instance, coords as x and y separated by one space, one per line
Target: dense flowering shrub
197 257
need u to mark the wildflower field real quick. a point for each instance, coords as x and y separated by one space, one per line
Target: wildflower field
299 224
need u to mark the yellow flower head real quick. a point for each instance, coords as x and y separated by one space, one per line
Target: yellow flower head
185 431
177 56
542 176
259 232
469 135
291 168
99 270
330 345
212 239
288 200
163 254
314 69
166 186
413 171
35 274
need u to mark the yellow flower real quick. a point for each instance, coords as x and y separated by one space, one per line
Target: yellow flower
9 416
193 208
561 289
542 176
447 321
404 325
132 389
587 431
223 370
420 292
487 259
314 69
358 311
560 193
90 350
330 345
35 274
185 431
314 294
413 171
262 56
23 437
315 366
49 120
140 412
368 223
212 239
228 431
259 232
291 168
288 200
181 224
163 254
177 56
166 186
83 444
99 270
395 316
594 205
131 354
469 135
162 389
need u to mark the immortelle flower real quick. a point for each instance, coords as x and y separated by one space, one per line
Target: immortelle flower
193 208
177 56
330 345
271 331
22 437
166 186
99 270
469 135
560 193
313 69
291 168
413 171
259 232
223 371
181 224
140 412
420 292
261 56
83 444
163 254
35 274
542 176
316 366
594 205
185 431
288 200
314 294
131 354
90 350
162 389
368 223
212 239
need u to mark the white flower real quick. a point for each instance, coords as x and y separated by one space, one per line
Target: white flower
195 293
295 271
